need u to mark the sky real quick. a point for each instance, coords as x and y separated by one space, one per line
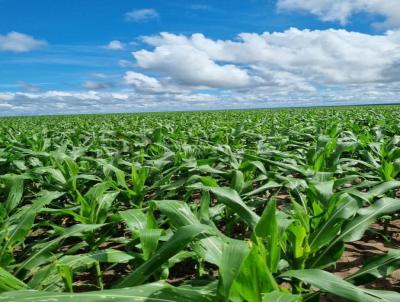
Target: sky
104 56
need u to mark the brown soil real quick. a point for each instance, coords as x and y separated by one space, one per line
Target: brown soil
356 253
370 245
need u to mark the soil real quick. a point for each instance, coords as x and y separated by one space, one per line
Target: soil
372 244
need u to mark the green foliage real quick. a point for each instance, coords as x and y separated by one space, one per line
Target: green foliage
203 206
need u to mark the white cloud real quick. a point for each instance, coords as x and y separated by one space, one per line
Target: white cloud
6 96
115 45
19 42
142 82
141 15
150 85
342 10
90 85
290 68
62 102
301 57
191 66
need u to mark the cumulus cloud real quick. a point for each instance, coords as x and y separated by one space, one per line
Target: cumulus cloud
191 66
342 10
62 102
300 57
185 72
142 15
150 85
91 85
19 42
115 45
142 82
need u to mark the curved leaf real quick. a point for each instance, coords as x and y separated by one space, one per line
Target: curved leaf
178 241
155 292
330 283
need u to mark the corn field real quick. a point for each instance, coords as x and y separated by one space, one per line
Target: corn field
261 205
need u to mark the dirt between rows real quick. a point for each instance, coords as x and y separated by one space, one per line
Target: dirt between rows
372 244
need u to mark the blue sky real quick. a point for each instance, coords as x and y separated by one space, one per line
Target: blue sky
115 56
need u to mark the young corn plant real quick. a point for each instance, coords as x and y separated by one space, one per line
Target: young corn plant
241 206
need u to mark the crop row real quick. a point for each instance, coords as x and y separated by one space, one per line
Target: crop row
208 206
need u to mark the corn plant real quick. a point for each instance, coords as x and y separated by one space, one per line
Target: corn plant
252 206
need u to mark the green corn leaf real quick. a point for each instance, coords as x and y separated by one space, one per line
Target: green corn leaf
332 284
153 292
322 191
178 241
47 278
135 219
355 228
40 253
53 172
10 283
375 191
104 203
15 183
254 277
379 266
149 241
277 296
234 253
263 188
65 272
179 214
232 199
238 182
204 211
345 208
18 232
267 229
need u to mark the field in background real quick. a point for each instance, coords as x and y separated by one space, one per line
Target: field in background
261 205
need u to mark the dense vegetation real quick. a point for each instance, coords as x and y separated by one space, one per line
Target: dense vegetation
202 206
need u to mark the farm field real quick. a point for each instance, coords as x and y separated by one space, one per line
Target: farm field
247 205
